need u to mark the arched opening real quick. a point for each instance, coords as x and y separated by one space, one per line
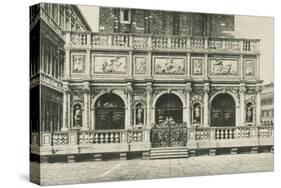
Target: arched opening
110 112
168 108
223 111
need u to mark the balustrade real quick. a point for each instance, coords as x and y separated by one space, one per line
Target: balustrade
142 41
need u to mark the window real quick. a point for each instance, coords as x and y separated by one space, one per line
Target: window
125 16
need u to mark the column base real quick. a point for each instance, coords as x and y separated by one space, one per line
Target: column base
97 157
145 155
212 152
254 150
71 159
234 151
192 153
123 156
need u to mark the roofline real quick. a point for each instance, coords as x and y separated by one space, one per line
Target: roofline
83 20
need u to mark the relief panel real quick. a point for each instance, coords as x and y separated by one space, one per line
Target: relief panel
110 64
249 67
197 66
78 63
140 65
169 65
223 67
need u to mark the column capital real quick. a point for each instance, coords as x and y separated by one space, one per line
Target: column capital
188 88
206 88
129 88
242 88
149 88
258 88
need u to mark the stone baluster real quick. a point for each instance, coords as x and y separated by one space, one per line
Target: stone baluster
242 104
206 104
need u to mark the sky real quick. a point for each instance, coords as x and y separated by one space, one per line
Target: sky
256 27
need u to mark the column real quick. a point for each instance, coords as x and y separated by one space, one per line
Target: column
241 67
188 114
92 112
65 109
86 91
149 65
130 65
129 102
242 104
188 67
258 104
206 67
206 104
88 63
67 63
148 103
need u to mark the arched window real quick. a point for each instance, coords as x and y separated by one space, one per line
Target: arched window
197 114
77 116
110 112
249 113
168 108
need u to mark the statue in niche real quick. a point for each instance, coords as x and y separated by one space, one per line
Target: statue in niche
249 113
77 116
197 114
139 115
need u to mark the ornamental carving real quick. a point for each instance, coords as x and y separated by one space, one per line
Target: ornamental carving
78 63
168 65
110 64
197 66
139 92
249 67
140 65
224 67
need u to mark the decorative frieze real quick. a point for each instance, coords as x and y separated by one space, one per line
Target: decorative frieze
169 65
223 67
197 66
110 64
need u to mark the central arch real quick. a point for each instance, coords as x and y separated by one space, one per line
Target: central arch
110 112
223 110
169 107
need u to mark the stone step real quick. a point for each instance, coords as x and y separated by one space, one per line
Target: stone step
168 153
167 148
172 150
168 156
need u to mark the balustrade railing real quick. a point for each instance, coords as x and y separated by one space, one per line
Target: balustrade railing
94 137
142 41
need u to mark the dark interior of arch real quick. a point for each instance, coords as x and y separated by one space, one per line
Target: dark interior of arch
110 101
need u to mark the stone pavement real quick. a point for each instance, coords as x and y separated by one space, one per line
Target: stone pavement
97 171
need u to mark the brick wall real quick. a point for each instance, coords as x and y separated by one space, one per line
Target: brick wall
167 22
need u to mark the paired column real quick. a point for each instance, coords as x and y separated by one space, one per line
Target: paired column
258 104
188 114
206 104
148 103
242 104
86 97
66 93
129 97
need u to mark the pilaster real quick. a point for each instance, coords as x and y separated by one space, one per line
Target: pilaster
188 114
242 91
258 104
66 92
86 91
148 103
206 104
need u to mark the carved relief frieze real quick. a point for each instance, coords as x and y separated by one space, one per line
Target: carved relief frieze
169 65
223 67
140 65
249 67
78 63
110 64
197 66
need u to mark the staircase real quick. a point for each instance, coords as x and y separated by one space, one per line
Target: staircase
168 152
